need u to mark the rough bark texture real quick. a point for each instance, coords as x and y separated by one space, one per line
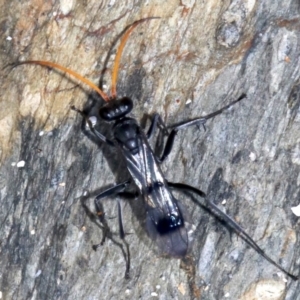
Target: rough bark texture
208 52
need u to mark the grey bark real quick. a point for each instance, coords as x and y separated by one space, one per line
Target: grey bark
208 52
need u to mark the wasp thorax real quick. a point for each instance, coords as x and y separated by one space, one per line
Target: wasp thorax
116 109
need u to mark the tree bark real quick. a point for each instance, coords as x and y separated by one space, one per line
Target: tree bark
198 57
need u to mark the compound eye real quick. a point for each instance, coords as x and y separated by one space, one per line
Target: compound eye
126 105
116 109
106 113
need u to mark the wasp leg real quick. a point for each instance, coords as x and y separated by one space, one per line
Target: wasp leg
156 122
117 190
92 128
215 210
113 191
202 120
197 121
182 186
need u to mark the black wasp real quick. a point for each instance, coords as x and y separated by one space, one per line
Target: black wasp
166 222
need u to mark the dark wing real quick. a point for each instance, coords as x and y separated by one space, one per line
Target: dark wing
165 219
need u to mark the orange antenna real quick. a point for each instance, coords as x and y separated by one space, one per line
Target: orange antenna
119 53
68 71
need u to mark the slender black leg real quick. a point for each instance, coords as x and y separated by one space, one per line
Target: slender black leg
202 120
93 130
182 186
169 145
197 121
113 191
156 122
215 210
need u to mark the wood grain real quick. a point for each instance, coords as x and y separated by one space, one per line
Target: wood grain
198 57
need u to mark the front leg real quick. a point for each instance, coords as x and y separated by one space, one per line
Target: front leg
197 121
99 135
156 122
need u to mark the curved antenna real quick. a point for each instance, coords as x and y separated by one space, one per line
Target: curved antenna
119 53
69 72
